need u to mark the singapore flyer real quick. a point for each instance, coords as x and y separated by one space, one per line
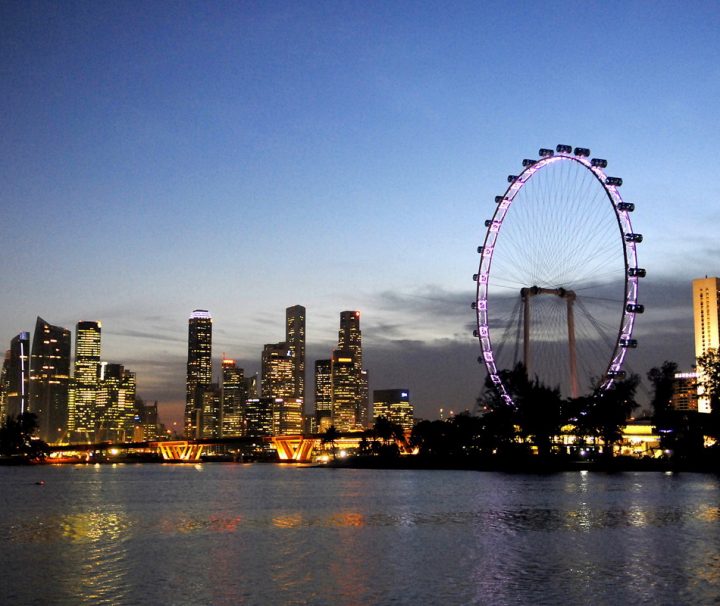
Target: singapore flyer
557 284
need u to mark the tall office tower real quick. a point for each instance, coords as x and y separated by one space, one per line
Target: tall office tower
278 380
344 391
85 381
145 422
199 369
394 405
251 386
259 417
211 423
349 346
350 337
323 394
115 403
233 399
706 310
4 386
684 391
50 379
287 416
295 338
18 375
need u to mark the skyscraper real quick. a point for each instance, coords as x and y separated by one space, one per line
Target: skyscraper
323 394
278 371
115 403
18 375
199 369
210 421
4 370
295 338
394 405
233 399
706 311
349 379
81 418
344 391
50 379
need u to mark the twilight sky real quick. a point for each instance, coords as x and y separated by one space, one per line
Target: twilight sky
243 157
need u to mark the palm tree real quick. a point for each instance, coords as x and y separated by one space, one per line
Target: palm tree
331 434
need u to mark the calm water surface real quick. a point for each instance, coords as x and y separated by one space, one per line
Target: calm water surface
261 534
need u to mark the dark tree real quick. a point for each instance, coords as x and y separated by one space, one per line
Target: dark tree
331 434
16 437
662 383
539 414
609 410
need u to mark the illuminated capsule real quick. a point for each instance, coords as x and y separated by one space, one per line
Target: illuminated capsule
628 343
635 308
633 238
637 272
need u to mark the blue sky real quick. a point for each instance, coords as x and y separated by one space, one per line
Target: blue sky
244 157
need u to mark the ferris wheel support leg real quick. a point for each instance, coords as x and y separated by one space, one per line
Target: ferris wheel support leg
571 346
526 330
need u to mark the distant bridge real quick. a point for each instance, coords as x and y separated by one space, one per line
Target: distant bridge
295 447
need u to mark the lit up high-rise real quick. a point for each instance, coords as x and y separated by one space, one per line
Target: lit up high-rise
115 407
50 379
349 379
323 394
17 375
394 405
199 370
233 399
706 311
81 416
278 380
295 338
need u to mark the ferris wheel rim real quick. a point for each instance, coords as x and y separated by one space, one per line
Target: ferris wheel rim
632 272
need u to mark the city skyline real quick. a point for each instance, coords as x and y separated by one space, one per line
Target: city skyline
343 158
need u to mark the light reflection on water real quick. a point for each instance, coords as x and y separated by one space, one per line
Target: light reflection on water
253 534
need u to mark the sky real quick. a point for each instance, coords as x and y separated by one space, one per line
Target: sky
243 157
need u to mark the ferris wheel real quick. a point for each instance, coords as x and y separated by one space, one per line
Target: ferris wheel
557 284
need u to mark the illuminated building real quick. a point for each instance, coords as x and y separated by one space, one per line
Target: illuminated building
210 422
344 391
278 379
349 379
199 369
4 385
81 413
283 364
17 377
259 417
323 394
394 405
251 386
287 416
115 403
50 379
706 312
145 422
684 391
233 399
295 338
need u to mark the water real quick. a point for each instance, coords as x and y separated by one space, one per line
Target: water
260 534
